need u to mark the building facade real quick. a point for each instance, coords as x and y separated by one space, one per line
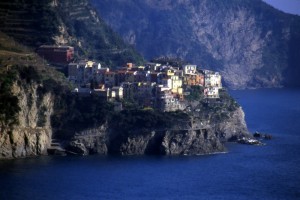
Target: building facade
56 54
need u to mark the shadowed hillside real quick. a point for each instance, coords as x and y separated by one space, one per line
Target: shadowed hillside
251 43
76 23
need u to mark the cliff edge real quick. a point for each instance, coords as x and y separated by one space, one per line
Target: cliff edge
202 130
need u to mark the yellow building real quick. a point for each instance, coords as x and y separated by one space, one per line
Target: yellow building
176 84
117 93
194 79
170 72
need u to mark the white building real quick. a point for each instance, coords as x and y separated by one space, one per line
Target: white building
211 92
166 101
116 92
212 79
190 69
83 72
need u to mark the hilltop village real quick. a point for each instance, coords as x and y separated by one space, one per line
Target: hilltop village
154 85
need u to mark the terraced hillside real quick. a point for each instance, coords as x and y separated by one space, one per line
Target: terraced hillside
31 22
15 56
34 22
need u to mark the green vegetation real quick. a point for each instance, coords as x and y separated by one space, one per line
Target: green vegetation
9 103
215 110
75 113
137 119
128 121
218 110
29 74
227 100
196 93
88 111
24 76
98 41
165 60
31 22
42 117
20 66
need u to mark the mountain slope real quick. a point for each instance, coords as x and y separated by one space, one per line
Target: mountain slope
35 22
251 43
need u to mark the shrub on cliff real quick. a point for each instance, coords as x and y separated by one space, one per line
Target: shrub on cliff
74 113
196 93
128 121
9 103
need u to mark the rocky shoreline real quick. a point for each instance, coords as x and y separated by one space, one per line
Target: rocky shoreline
182 140
203 130
106 140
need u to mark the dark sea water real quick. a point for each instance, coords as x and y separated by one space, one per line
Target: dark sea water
245 172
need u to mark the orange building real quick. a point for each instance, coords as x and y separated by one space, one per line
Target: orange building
194 79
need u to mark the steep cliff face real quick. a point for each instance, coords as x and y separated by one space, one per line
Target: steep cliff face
33 134
182 136
252 44
233 127
89 141
28 91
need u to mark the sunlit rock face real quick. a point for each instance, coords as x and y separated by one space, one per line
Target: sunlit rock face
32 136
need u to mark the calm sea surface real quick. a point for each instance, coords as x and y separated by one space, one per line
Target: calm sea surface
246 172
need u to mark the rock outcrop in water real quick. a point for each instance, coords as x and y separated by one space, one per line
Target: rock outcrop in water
163 142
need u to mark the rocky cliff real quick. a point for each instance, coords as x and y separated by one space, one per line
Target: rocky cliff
203 130
33 134
28 91
252 44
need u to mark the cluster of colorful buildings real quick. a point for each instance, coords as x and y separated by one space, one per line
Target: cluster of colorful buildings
163 87
152 85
